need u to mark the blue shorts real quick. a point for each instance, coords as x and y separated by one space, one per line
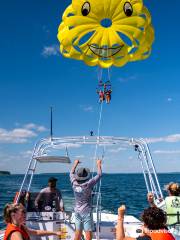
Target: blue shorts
84 222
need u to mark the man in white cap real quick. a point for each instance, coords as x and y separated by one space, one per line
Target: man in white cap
82 186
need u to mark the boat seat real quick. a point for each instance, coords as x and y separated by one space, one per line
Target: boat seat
47 159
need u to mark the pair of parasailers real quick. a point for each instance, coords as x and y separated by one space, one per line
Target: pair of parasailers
82 184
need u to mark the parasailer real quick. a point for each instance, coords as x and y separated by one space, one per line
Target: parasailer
107 91
101 96
108 96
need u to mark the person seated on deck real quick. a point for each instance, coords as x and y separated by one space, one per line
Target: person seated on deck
50 198
172 203
82 186
154 225
15 217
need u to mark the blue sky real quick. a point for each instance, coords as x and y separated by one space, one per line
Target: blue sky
34 76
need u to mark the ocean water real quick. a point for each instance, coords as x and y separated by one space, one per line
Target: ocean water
116 189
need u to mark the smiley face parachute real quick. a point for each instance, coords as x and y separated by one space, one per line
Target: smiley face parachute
106 32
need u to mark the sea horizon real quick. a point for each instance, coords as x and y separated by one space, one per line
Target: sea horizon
116 189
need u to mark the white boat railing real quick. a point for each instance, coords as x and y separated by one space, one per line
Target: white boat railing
140 146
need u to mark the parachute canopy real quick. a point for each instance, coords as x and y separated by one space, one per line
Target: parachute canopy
106 32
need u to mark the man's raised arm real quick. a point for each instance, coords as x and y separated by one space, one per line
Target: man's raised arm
73 169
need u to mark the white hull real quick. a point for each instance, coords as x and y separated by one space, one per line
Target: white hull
53 221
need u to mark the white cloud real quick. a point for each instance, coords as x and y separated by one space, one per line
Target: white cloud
86 108
17 135
169 99
35 127
6 157
126 79
52 50
26 154
116 150
167 152
79 156
169 138
3 158
14 162
20 134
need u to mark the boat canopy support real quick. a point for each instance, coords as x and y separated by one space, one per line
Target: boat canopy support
140 145
48 144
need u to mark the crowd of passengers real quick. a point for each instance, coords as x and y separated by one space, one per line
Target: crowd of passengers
155 220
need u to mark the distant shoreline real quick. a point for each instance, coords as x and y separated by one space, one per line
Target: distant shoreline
5 173
103 173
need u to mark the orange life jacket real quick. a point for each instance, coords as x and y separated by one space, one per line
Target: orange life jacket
161 234
12 228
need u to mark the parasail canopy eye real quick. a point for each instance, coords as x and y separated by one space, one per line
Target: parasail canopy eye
85 10
128 10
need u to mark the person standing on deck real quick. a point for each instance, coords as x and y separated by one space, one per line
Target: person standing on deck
82 186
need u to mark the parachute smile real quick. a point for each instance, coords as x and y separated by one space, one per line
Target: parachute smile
105 52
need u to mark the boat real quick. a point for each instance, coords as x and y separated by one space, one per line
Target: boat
104 223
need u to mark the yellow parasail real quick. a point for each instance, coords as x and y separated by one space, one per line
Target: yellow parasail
106 32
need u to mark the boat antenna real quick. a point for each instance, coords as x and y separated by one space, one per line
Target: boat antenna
51 128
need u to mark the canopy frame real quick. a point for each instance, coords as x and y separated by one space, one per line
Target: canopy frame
139 145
